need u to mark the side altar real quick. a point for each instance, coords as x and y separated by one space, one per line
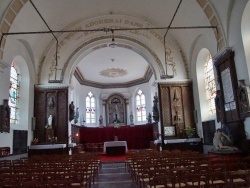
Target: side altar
47 149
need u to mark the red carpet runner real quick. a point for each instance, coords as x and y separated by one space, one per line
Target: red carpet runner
105 158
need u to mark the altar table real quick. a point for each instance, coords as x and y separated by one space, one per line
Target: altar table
115 147
48 146
47 149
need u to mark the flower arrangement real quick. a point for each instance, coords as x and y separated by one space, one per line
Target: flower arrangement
190 131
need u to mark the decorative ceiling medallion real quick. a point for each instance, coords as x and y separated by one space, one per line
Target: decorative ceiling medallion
113 73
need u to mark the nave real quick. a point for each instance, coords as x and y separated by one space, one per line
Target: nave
143 168
114 175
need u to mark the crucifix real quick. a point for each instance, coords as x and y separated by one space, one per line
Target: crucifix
115 101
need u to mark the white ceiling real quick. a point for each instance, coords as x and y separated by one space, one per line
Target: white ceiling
114 61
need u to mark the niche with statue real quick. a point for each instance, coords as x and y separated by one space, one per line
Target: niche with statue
116 110
177 107
51 102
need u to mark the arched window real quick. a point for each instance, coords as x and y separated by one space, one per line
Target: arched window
140 106
90 109
210 83
14 93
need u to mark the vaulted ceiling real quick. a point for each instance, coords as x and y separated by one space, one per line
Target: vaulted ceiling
106 65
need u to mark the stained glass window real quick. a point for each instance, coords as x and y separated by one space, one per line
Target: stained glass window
210 83
140 106
90 109
14 93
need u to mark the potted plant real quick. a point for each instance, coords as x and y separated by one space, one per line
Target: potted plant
190 131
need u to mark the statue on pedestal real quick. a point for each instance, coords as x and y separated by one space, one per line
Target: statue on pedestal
71 111
100 121
155 109
149 118
49 124
131 119
76 116
83 120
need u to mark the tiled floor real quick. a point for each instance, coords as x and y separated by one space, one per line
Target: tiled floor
114 175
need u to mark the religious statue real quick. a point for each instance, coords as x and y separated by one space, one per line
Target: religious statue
49 124
155 109
52 102
244 107
220 140
83 120
76 116
5 127
50 120
71 111
149 118
100 121
131 119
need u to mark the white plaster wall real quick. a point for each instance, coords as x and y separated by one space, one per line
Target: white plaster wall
239 24
15 50
235 40
202 47
245 30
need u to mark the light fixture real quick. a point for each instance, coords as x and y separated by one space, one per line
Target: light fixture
113 44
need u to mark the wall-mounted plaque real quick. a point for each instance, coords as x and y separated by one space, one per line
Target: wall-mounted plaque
228 90
169 131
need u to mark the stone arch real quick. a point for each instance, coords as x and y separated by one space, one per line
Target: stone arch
72 57
16 5
214 21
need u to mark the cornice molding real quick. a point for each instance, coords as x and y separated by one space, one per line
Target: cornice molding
53 86
139 81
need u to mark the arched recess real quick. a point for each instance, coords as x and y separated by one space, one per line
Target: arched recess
245 32
203 45
23 95
116 109
204 106
20 52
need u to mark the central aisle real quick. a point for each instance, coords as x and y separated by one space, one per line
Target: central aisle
114 175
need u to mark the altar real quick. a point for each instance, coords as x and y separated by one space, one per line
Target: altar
47 149
193 144
115 147
136 137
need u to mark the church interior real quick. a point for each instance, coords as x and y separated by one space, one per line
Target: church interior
119 76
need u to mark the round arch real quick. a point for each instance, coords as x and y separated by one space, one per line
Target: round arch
23 95
204 106
133 44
